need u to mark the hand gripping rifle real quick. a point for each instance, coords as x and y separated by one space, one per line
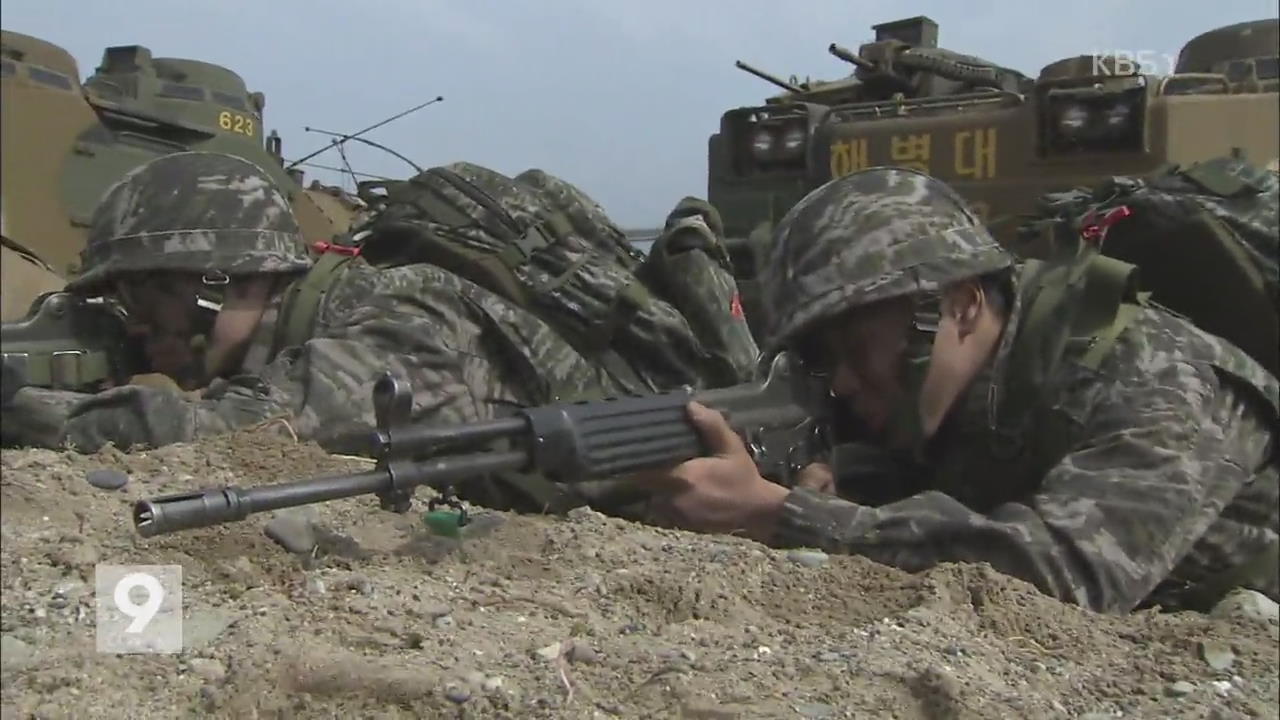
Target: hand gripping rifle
565 443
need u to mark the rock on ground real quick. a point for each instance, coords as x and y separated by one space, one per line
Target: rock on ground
539 617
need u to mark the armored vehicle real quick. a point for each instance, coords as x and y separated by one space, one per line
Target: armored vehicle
66 141
1001 139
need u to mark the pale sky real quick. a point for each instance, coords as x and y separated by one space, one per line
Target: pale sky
616 97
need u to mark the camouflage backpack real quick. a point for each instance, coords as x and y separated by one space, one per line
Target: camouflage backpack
1204 239
543 249
689 266
586 216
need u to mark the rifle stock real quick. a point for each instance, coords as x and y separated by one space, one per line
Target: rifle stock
565 443
68 342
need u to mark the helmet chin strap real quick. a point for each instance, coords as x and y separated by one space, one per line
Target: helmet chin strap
208 303
905 431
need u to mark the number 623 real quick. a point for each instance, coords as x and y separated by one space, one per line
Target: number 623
234 122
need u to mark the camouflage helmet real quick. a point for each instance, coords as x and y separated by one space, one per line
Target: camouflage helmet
194 212
872 235
690 206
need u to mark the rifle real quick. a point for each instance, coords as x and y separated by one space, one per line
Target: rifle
567 443
68 342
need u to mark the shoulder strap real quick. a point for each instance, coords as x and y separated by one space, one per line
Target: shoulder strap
302 299
1085 304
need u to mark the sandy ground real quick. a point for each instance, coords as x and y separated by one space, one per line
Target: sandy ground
539 617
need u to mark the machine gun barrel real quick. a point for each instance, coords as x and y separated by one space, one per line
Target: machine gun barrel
768 77
850 57
565 442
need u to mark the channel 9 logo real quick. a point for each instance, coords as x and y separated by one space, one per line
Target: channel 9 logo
139 608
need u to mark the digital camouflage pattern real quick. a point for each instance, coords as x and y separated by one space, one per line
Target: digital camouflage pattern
1244 197
1205 239
1169 475
468 354
588 219
506 236
196 212
869 236
690 206
1250 208
689 266
1141 480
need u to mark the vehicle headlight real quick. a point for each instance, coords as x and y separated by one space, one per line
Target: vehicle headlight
761 143
793 139
1073 119
1116 117
1089 120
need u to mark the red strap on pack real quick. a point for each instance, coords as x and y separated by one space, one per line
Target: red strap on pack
324 247
1095 228
735 307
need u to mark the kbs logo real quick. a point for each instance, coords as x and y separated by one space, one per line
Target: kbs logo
1132 62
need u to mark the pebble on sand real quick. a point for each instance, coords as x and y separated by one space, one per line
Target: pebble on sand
107 478
293 532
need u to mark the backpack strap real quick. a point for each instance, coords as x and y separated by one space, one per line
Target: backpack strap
1108 284
1088 304
1101 344
301 304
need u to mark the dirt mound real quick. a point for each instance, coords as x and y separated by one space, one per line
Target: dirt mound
532 617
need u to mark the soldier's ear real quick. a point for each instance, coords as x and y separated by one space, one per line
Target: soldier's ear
964 305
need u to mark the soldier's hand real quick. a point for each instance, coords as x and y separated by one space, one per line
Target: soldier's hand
818 477
722 492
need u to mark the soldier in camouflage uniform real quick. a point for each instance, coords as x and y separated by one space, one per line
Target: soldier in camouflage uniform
1138 468
199 248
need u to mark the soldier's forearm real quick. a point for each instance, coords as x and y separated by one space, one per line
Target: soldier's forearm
931 528
37 417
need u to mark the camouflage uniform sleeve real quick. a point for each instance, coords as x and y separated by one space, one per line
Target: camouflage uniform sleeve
424 325
37 417
1157 464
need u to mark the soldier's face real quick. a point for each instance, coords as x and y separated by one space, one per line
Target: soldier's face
864 357
863 352
161 317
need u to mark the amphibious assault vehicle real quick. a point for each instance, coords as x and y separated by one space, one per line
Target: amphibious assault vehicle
1000 138
66 141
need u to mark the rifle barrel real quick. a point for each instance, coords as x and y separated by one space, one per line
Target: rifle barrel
187 511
